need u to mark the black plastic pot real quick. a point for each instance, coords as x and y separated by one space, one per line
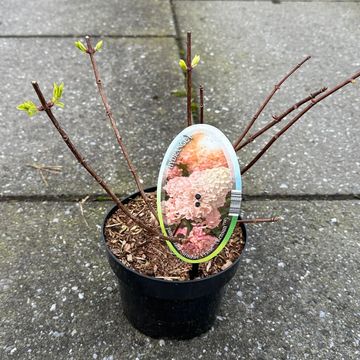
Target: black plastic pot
169 309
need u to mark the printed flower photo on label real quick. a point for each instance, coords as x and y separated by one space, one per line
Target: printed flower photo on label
196 184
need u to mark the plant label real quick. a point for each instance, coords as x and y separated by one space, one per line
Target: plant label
199 193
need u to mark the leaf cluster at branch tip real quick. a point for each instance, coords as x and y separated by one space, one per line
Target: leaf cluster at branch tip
195 61
182 64
98 46
57 94
29 107
80 46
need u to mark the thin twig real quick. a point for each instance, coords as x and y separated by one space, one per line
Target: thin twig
266 101
41 168
277 119
81 207
43 177
88 168
255 221
56 169
91 51
116 224
188 78
297 117
201 104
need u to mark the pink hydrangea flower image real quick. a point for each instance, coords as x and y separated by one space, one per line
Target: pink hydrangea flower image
212 219
173 172
210 185
181 231
198 154
196 188
198 243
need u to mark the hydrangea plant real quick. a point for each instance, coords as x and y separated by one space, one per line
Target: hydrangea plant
196 167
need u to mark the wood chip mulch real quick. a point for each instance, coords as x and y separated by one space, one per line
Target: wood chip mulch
151 256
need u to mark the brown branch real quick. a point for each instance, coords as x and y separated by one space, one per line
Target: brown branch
277 119
201 104
99 83
188 78
88 168
266 101
255 221
297 117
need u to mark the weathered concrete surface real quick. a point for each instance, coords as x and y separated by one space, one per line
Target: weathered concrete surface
246 48
276 1
296 294
111 17
139 75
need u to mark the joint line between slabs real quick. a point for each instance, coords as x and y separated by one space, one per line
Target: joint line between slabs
182 54
246 198
75 36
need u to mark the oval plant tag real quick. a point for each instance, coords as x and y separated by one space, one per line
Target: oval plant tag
199 193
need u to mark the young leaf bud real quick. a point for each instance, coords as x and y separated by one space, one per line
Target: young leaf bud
29 107
195 61
80 46
183 65
98 46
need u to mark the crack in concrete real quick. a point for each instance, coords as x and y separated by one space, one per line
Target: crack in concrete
246 197
182 53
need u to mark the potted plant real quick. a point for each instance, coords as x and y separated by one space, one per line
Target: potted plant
169 288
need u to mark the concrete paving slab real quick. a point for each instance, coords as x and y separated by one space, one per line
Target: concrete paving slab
139 75
295 296
273 1
246 48
113 17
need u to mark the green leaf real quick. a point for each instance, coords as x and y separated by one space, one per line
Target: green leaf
195 61
29 107
59 104
80 46
98 46
60 89
23 106
182 64
57 92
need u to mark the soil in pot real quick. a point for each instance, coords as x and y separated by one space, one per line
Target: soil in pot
151 256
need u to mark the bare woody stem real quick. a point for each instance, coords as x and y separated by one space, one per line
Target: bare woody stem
259 220
90 170
277 119
201 104
266 101
99 83
297 117
188 78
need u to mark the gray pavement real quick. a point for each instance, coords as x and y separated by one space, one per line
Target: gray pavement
247 48
82 17
296 294
140 96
